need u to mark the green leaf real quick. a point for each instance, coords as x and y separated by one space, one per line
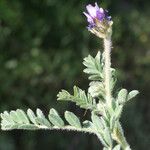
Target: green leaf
132 94
40 119
6 119
107 137
79 97
102 130
117 147
118 111
64 96
122 96
22 116
97 89
101 138
43 122
72 119
39 113
29 121
88 124
31 116
128 148
112 122
93 67
55 119
113 79
97 123
13 115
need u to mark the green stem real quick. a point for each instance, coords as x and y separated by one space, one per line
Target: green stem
119 135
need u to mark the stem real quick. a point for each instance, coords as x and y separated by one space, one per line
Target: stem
119 135
107 51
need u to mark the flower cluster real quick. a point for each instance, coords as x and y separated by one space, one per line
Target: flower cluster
99 21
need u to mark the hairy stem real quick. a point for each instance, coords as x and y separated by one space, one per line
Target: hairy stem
65 128
107 51
119 135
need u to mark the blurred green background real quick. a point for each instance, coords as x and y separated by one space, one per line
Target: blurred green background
42 44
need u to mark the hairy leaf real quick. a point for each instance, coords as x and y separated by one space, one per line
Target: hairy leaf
72 119
97 122
117 147
132 94
93 67
122 96
55 119
22 116
31 116
107 136
79 97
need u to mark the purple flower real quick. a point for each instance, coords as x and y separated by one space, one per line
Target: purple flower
96 15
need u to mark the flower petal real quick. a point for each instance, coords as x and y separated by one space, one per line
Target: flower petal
89 18
91 10
96 7
100 16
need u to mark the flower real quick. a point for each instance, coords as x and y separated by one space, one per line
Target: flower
98 19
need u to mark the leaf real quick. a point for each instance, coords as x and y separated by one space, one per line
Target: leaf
113 79
122 96
118 132
31 116
39 113
88 124
40 119
107 137
102 130
79 97
13 115
101 138
132 94
112 122
6 119
96 89
63 95
29 121
55 119
97 123
43 122
128 148
22 116
93 67
117 147
118 111
72 119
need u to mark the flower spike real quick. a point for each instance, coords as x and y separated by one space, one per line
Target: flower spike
99 23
